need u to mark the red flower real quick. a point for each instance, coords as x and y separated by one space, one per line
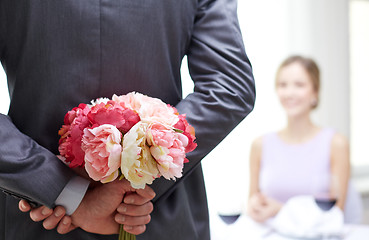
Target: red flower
75 121
115 114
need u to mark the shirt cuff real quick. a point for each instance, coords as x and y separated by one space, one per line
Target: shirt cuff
72 194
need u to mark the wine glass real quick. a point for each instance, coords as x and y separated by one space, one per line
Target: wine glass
229 213
327 197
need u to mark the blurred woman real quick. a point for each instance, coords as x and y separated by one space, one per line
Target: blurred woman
302 158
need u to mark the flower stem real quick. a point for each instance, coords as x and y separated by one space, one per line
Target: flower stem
123 235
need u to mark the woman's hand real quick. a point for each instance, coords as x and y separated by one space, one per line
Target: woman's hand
261 208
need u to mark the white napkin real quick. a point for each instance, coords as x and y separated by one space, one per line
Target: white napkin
301 217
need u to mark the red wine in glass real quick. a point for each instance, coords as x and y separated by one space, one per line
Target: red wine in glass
325 204
327 199
229 219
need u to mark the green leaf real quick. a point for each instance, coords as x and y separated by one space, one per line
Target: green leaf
178 130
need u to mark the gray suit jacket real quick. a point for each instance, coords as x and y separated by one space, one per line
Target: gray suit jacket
59 53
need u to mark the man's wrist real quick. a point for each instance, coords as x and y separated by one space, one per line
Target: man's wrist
72 194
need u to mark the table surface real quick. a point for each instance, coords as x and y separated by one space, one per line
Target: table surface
247 229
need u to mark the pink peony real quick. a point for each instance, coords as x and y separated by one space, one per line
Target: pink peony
71 135
102 146
168 147
188 131
115 114
150 110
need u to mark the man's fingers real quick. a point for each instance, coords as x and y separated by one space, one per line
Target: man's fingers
40 213
132 221
136 230
135 212
132 210
65 225
53 220
147 192
24 206
135 199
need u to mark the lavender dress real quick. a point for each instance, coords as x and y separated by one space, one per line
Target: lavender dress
289 170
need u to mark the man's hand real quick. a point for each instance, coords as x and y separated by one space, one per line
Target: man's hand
101 210
51 217
134 212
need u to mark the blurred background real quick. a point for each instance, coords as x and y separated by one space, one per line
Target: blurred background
335 34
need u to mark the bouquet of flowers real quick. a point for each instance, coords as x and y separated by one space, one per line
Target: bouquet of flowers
131 136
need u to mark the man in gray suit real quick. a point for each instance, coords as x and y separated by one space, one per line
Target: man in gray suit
57 54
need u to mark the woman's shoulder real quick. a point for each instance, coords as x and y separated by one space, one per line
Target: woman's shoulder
339 141
257 144
262 139
340 151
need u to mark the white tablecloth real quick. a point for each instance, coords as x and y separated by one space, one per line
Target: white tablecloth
246 229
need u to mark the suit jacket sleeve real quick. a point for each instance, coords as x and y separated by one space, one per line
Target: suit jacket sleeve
224 87
28 170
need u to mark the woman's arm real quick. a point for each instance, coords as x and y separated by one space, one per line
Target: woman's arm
255 157
260 207
340 168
